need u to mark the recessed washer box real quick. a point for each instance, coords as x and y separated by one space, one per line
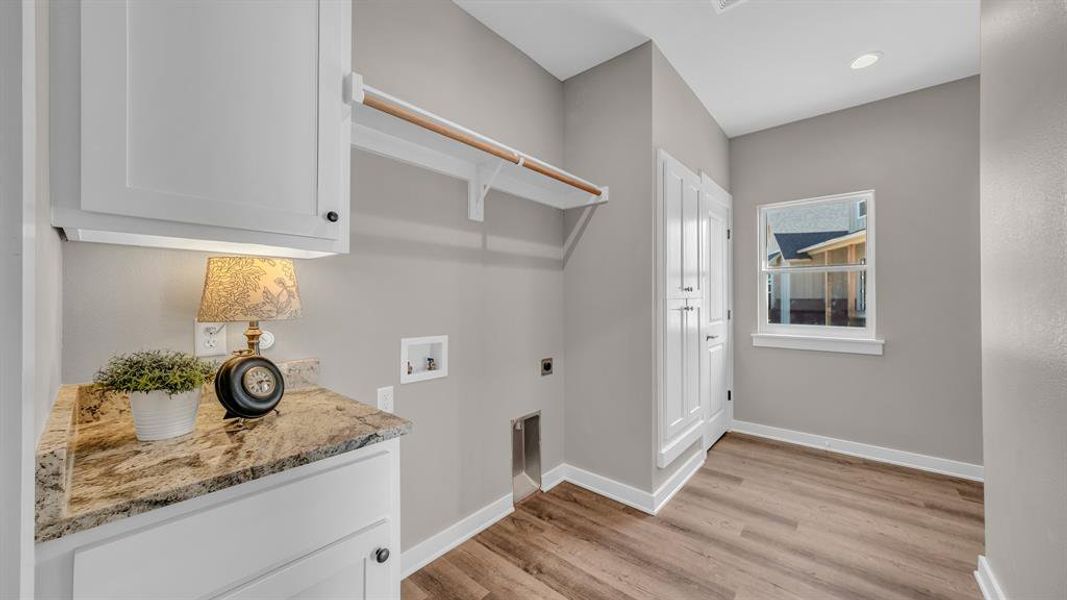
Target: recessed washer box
423 358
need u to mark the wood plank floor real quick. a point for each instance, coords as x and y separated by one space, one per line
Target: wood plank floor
760 520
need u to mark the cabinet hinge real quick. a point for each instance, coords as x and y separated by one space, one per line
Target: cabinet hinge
729 395
728 232
729 315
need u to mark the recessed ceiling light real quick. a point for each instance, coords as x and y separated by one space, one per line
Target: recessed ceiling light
865 60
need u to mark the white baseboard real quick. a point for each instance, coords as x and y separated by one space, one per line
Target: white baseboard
903 458
987 582
554 476
609 488
426 551
669 488
423 553
622 492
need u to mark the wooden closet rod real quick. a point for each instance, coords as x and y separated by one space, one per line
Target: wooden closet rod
399 111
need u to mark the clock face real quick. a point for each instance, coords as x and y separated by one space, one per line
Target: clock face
249 386
259 382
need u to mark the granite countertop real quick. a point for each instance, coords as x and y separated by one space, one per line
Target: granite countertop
91 469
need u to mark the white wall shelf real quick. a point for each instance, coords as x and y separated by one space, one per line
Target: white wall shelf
390 127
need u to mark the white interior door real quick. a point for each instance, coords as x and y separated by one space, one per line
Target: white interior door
716 316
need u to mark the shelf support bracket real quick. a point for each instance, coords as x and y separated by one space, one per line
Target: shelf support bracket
478 189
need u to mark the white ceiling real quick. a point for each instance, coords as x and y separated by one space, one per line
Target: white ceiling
762 63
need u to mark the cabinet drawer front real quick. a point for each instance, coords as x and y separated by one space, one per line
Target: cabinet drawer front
211 551
345 569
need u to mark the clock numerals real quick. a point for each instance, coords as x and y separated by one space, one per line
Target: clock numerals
259 381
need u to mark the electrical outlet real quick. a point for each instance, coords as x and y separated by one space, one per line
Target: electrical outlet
385 399
209 339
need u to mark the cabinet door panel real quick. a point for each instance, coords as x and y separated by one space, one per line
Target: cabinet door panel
692 358
345 569
691 234
673 199
679 197
674 413
216 113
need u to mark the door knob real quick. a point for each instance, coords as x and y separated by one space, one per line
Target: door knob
381 555
332 216
712 337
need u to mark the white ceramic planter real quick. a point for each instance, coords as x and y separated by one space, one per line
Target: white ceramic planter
159 416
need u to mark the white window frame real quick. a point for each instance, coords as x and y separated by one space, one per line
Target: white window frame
826 338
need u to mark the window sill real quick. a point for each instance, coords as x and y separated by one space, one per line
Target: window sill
818 343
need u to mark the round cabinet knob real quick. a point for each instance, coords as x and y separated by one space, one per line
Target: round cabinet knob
381 555
687 289
332 217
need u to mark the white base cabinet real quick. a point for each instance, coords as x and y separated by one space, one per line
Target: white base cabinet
200 124
325 530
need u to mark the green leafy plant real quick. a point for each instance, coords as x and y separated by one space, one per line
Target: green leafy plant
155 370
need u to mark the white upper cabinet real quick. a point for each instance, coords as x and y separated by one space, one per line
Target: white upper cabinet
212 124
680 195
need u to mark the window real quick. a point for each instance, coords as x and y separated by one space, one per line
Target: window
817 274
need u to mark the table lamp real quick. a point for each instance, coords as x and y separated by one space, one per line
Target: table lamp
252 289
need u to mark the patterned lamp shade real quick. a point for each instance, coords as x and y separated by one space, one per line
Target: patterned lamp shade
243 288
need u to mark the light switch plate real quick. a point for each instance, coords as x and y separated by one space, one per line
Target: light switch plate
209 339
385 399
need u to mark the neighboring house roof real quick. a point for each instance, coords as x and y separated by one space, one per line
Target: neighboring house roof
791 244
856 237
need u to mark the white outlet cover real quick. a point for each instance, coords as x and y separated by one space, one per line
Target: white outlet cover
209 339
385 398
266 340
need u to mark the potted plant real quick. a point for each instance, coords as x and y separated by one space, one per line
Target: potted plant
164 389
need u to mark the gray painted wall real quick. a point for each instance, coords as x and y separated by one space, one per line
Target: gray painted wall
618 113
608 277
417 267
919 151
682 126
1024 284
687 131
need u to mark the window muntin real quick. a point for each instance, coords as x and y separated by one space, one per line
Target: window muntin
817 266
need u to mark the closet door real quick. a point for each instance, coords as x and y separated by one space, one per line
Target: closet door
221 114
679 197
715 321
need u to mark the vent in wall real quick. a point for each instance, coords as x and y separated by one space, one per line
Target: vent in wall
722 6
